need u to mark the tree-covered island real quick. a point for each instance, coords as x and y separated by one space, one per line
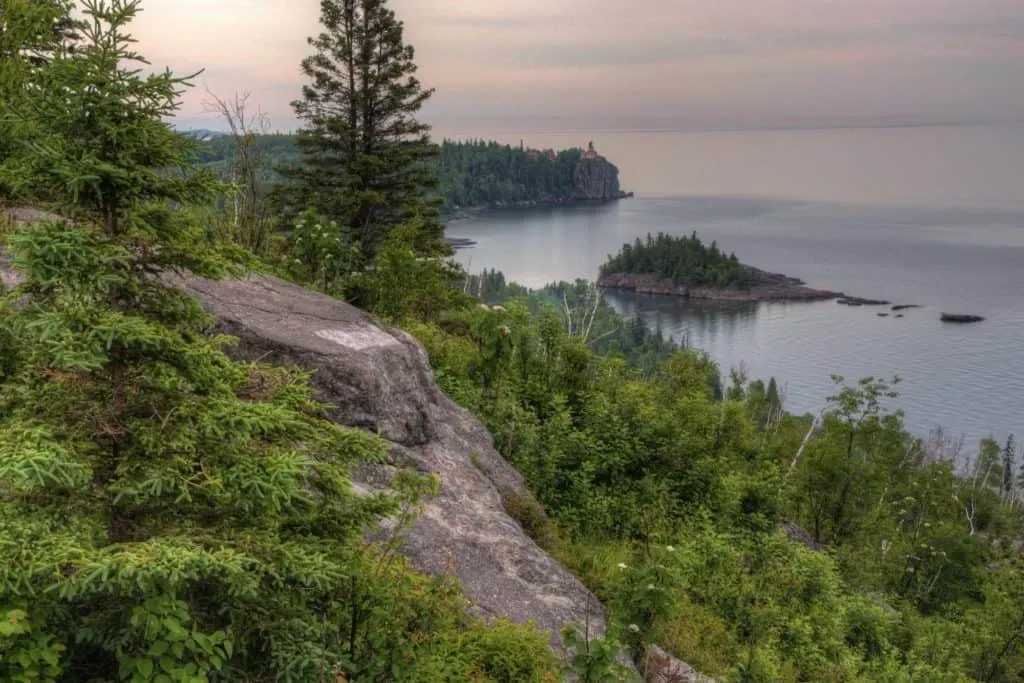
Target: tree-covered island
685 266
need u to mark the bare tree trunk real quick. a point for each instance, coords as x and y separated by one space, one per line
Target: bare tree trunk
250 227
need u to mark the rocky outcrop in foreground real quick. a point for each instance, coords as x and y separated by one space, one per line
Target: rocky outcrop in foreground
380 380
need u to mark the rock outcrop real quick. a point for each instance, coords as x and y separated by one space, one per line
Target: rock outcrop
661 667
380 380
595 179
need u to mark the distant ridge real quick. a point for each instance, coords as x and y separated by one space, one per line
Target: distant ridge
202 133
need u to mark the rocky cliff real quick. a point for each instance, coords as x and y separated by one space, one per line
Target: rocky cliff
595 179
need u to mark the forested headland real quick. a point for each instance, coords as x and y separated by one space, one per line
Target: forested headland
470 174
169 512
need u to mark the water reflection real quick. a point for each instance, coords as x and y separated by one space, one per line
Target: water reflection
698 323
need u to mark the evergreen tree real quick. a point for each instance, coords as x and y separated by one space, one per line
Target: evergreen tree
164 511
1009 459
772 396
31 33
363 151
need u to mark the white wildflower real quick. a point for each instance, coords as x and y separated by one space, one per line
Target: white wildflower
622 566
498 308
634 628
651 587
485 307
670 549
505 330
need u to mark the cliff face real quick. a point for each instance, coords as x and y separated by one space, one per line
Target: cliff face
595 179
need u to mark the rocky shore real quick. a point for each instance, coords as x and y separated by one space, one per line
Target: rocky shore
470 212
770 287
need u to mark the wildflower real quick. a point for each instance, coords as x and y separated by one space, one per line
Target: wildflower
670 549
299 261
651 587
498 308
622 566
485 307
505 330
634 628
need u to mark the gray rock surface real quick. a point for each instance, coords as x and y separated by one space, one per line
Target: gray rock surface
661 667
380 380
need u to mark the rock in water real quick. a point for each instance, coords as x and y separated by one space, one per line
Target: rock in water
960 318
380 380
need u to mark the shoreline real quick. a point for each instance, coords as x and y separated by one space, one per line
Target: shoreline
470 212
771 287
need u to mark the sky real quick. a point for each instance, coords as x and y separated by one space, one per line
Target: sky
631 64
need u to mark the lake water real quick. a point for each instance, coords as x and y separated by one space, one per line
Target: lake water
931 216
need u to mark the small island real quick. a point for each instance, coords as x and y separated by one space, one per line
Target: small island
686 267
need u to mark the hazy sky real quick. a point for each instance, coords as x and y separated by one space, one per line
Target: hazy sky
634 63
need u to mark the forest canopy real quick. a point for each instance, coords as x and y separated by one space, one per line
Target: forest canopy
682 260
469 173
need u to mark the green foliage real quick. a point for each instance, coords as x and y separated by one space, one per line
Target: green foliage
593 660
681 261
26 654
318 253
668 496
167 513
32 32
478 173
468 174
362 149
404 285
579 308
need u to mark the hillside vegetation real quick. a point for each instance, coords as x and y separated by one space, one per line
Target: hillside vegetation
170 514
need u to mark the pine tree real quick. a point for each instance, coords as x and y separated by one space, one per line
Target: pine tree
32 32
363 151
163 510
1009 460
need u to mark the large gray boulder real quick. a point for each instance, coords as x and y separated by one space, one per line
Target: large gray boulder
380 380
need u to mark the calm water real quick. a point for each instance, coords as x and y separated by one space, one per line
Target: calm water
930 216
